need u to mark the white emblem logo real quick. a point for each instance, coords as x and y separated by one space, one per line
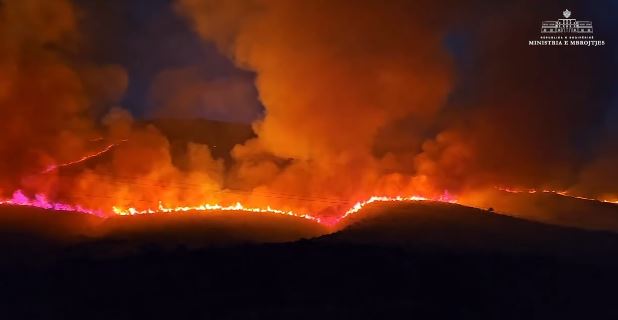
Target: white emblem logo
566 31
566 25
566 13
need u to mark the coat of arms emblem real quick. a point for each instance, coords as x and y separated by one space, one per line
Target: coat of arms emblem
566 13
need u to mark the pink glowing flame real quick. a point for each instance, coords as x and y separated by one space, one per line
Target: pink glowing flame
41 201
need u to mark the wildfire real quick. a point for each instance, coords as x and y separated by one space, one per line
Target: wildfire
213 207
241 208
82 159
359 205
559 193
41 201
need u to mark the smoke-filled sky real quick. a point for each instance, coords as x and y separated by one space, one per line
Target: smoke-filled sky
346 99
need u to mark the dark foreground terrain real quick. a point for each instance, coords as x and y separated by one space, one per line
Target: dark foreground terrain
414 261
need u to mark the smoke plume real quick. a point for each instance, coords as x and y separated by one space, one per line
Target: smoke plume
359 98
331 76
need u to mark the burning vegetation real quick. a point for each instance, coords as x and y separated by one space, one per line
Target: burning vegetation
356 109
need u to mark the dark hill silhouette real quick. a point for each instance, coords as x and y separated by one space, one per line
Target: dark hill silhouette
31 234
60 225
196 229
553 209
444 226
391 261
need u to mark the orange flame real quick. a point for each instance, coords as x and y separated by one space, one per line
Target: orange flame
359 205
82 159
41 201
213 207
239 207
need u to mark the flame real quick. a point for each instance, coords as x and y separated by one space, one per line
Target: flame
213 207
559 193
240 207
41 201
55 167
361 204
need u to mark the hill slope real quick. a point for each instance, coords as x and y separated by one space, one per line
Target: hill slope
442 226
424 260
32 234
551 208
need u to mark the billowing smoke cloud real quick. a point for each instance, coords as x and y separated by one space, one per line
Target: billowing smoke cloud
351 90
531 117
184 93
140 171
46 93
52 97
331 76
316 73
359 97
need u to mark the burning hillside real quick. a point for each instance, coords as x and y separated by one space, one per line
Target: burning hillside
342 114
363 159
